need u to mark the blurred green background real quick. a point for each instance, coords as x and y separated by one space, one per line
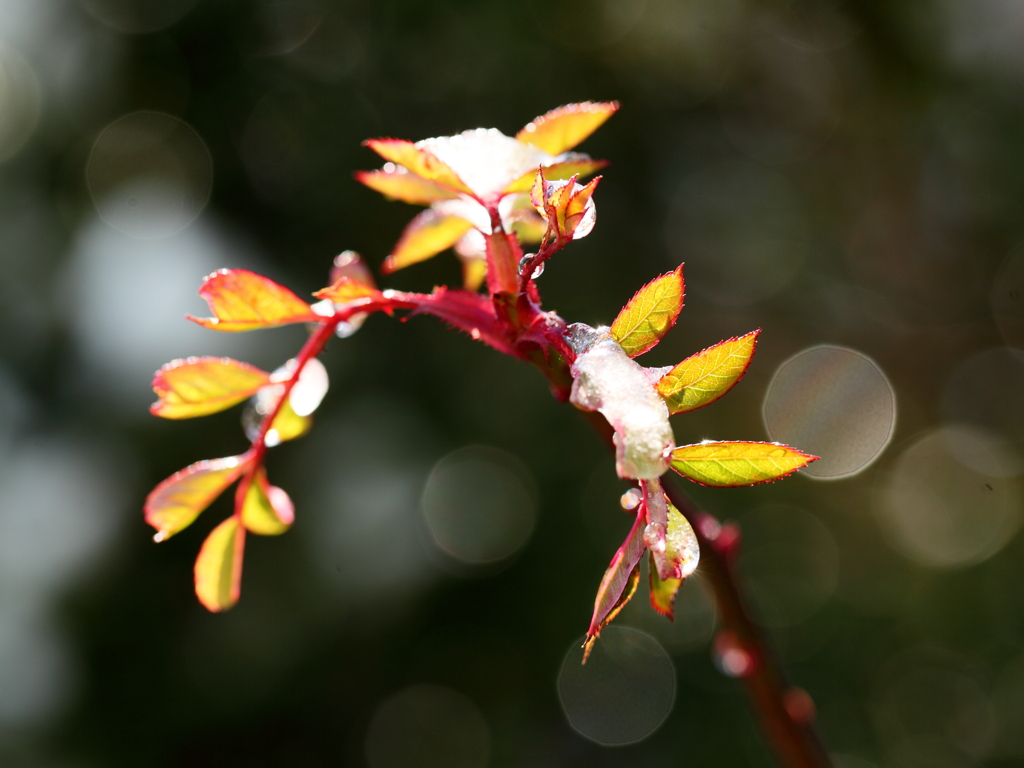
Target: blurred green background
847 174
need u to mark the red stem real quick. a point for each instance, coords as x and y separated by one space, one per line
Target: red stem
786 714
314 346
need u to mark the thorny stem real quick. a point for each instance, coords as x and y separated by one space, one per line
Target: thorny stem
786 714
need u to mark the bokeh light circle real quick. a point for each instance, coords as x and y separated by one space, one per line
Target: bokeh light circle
928 711
150 174
940 512
625 690
428 726
480 504
834 403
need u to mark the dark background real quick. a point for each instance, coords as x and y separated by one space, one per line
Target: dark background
848 174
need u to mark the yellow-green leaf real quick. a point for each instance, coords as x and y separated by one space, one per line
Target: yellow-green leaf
199 386
176 502
663 591
426 235
704 377
287 425
399 184
346 290
243 301
418 161
732 464
218 569
647 317
577 165
618 583
562 129
267 510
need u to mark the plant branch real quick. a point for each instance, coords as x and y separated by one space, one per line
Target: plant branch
786 714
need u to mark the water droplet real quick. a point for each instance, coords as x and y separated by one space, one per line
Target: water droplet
389 168
323 308
160 536
731 658
348 327
271 439
631 499
475 333
538 270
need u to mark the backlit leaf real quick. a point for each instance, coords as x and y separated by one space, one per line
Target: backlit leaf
218 569
426 235
562 129
418 161
578 165
199 386
647 317
704 377
663 591
399 184
267 510
618 584
347 290
177 501
731 464
288 425
243 301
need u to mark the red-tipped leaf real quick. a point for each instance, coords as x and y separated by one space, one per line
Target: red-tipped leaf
704 377
734 463
425 236
419 162
649 315
267 510
400 184
244 301
218 569
612 594
198 386
176 502
562 129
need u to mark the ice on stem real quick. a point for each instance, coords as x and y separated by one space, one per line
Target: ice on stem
607 380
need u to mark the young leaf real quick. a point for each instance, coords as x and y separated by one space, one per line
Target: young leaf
647 317
663 591
419 162
426 235
612 594
346 290
627 594
287 425
399 184
202 385
576 165
176 502
243 301
218 569
562 129
733 464
704 377
267 510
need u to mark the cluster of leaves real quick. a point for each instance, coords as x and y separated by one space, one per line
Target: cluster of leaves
487 195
